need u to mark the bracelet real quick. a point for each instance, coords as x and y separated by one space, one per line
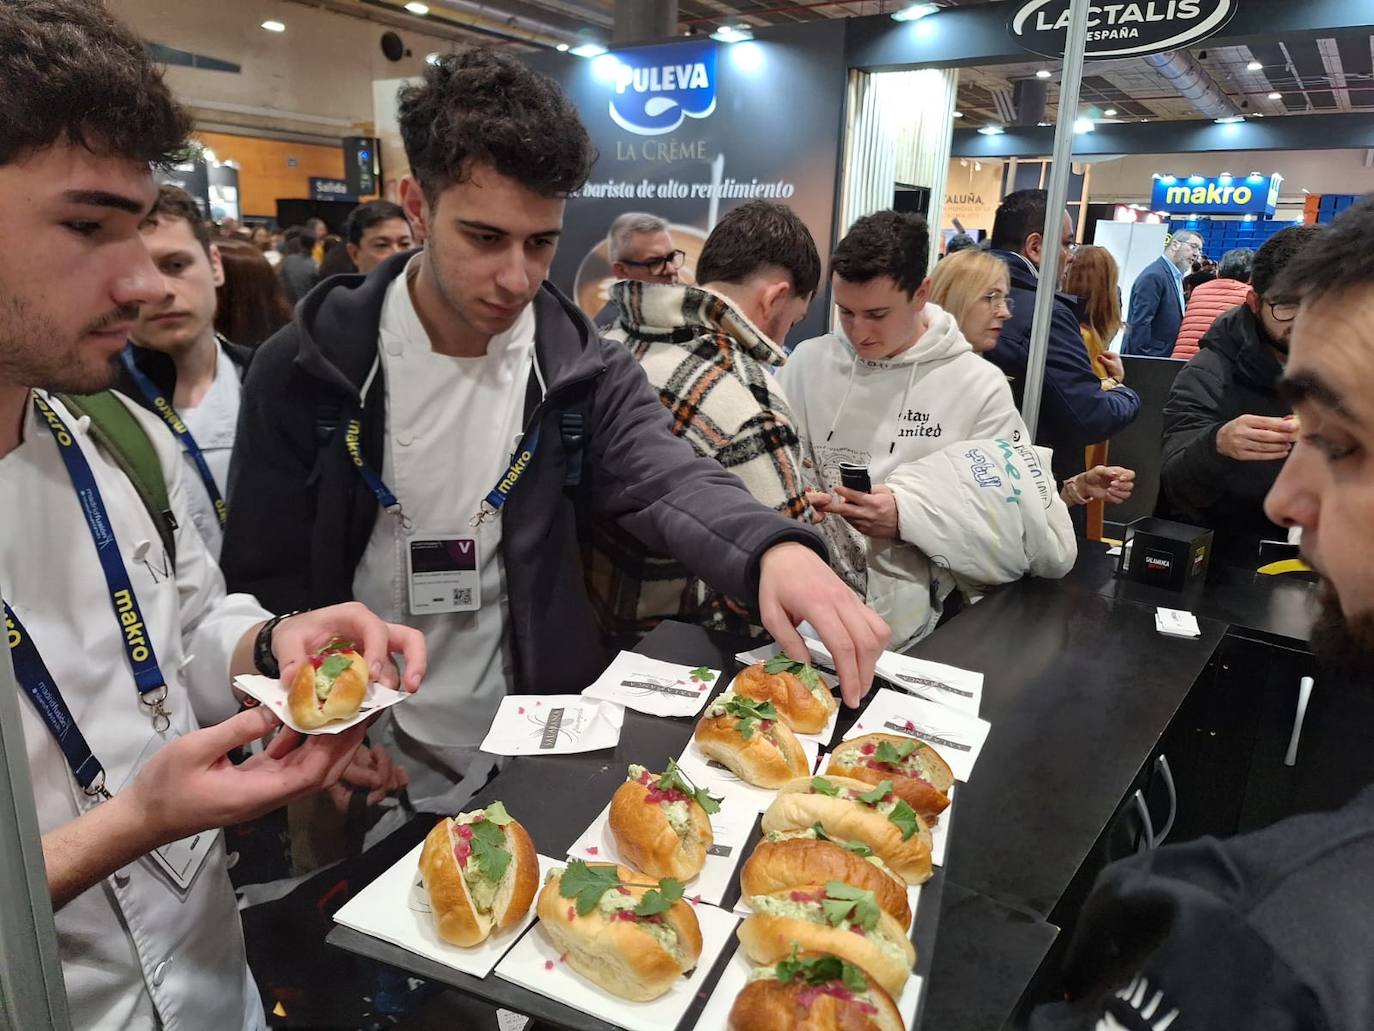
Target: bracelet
263 658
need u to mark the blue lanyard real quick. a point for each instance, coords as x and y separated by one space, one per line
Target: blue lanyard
138 644
38 684
164 408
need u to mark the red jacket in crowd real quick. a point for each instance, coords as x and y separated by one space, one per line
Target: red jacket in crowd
1206 304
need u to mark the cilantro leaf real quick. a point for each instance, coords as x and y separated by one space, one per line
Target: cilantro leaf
820 970
660 899
703 675
333 647
803 671
905 818
779 663
586 884
844 903
887 752
333 666
673 778
877 794
853 977
496 813
489 849
749 712
857 847
821 786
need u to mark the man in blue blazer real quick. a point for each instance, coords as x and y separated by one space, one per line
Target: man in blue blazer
1156 309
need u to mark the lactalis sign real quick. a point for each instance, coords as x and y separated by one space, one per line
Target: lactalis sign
1119 29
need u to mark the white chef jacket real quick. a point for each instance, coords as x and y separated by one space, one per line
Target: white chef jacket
134 953
213 424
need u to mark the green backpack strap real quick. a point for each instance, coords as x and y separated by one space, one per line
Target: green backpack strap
125 440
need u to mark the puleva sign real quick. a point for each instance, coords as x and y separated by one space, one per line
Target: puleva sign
1121 29
656 88
1216 195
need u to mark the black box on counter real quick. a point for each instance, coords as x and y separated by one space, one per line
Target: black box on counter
1162 553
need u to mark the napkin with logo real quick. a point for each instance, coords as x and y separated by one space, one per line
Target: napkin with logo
657 688
553 725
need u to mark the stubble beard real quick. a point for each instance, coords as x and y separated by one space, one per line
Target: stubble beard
29 356
1343 644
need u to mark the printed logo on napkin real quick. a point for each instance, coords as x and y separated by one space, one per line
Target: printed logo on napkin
654 687
961 689
552 725
957 736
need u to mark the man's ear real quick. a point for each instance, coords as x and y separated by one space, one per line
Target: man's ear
1252 301
216 267
1035 247
414 202
352 252
773 295
922 293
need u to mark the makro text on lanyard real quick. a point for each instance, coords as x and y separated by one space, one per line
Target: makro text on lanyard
33 676
174 422
138 643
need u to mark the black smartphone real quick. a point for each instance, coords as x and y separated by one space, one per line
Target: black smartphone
855 477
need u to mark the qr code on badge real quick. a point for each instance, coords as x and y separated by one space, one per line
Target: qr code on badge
462 596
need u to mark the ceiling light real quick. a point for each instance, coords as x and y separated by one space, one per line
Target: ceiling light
562 48
587 50
272 25
1306 190
1253 66
415 7
606 67
733 33
1043 73
991 130
1110 112
1082 125
958 114
914 12
1231 120
1276 95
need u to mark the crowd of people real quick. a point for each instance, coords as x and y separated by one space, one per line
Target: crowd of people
284 432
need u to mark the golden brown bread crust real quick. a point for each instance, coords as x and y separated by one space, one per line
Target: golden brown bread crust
619 955
755 761
780 1006
805 864
521 880
647 840
802 710
345 697
769 939
928 793
455 917
797 808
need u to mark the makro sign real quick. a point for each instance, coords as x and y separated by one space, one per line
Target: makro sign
1120 29
653 89
1216 195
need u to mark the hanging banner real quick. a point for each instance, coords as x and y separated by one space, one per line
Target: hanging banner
1121 29
1216 195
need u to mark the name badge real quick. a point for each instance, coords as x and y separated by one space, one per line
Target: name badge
443 573
179 862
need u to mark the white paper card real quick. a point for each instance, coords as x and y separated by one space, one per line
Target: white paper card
650 686
534 964
957 736
735 976
1176 623
939 834
818 654
273 694
960 689
553 724
730 830
716 779
395 908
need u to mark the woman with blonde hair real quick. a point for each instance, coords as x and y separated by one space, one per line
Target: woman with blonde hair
1092 278
974 288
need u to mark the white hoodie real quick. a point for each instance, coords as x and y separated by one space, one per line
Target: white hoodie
886 414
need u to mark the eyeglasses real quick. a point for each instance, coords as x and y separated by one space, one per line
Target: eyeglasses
1070 246
1282 312
996 299
659 265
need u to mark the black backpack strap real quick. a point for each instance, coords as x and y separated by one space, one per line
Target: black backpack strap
572 427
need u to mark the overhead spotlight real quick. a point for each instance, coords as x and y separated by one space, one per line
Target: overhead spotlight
1082 125
1306 190
606 67
562 48
1043 73
1109 113
914 12
1276 95
991 130
587 50
415 7
272 25
733 33
1254 66
1231 120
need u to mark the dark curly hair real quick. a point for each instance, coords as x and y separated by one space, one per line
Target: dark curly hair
1277 253
886 243
1338 257
478 107
752 237
70 71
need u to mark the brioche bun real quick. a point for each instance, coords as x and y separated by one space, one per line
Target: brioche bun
805 864
793 1006
802 709
758 760
769 939
926 790
646 840
345 697
457 917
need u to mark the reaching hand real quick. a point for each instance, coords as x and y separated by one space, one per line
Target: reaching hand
370 768
795 586
1257 438
297 638
190 785
1110 483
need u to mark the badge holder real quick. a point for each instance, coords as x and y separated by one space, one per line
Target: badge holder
443 573
179 862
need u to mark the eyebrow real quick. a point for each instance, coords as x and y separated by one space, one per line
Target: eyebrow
105 199
483 227
1310 387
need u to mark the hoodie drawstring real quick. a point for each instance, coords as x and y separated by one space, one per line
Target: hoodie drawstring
853 371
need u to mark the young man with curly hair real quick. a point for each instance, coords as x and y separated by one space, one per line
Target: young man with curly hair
429 440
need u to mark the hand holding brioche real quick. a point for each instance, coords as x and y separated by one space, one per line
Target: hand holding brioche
331 686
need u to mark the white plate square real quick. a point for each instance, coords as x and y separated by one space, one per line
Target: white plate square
273 694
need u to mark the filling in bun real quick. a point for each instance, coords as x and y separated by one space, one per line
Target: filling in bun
674 794
328 668
885 757
751 717
598 889
880 798
839 906
479 846
822 975
816 833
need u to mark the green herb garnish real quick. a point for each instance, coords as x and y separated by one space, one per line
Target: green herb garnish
843 903
587 884
674 779
801 670
702 675
904 818
895 754
333 647
333 666
489 847
877 794
660 899
821 970
496 813
749 713
821 786
857 847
